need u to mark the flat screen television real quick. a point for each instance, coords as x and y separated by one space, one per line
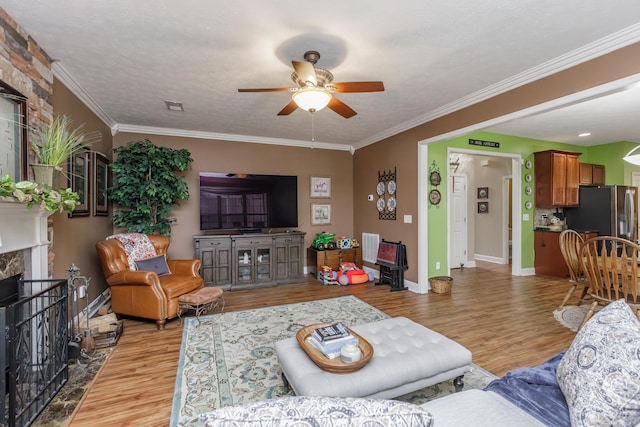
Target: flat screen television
247 202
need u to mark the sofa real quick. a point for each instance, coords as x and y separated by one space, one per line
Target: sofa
596 382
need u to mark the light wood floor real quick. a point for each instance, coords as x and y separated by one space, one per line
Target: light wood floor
506 322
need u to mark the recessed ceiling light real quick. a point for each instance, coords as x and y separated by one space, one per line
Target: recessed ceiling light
174 105
585 134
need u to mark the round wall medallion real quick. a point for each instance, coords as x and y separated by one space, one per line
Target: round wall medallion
434 197
380 188
527 205
391 204
435 178
528 190
528 177
391 187
380 204
528 164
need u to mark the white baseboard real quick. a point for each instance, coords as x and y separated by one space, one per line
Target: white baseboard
528 272
487 258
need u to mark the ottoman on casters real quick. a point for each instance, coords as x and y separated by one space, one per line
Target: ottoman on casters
406 357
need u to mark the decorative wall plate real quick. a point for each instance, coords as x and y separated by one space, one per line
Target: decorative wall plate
528 164
380 204
528 190
434 197
527 205
528 177
380 188
435 178
391 187
391 204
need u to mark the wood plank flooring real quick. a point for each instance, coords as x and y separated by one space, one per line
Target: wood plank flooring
506 322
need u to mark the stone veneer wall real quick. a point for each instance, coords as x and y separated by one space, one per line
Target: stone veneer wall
27 69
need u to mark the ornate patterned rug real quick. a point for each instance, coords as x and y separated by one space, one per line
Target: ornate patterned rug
230 359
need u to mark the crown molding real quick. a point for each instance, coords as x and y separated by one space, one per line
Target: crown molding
600 47
61 73
122 127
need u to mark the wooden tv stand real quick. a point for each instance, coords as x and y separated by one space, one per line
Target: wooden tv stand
332 257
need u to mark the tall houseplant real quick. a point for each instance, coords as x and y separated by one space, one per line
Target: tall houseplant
146 186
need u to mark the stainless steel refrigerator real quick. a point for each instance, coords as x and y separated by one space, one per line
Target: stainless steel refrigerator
609 210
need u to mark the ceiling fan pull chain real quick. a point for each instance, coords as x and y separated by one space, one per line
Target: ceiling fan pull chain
313 131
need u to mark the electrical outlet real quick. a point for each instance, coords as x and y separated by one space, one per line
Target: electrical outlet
438 265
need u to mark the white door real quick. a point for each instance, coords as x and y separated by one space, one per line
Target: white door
458 215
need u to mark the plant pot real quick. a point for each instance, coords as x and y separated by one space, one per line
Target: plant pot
43 174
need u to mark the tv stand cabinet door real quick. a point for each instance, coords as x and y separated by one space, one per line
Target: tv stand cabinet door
215 255
253 261
290 258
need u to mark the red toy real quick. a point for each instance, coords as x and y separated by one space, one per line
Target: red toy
351 275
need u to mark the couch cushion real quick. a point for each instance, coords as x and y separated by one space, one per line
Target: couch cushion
477 408
600 373
156 263
303 411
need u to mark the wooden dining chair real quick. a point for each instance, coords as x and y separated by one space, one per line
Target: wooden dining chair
610 265
570 245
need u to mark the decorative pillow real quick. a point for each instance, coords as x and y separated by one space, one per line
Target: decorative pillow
600 373
157 263
136 245
303 411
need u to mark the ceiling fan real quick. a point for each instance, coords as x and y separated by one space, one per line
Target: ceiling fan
317 88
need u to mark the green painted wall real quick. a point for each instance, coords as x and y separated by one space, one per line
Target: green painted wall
616 172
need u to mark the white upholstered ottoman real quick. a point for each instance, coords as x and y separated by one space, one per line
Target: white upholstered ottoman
407 357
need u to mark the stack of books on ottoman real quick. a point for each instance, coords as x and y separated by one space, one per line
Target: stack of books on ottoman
330 339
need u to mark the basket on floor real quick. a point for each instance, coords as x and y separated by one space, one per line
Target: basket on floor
441 284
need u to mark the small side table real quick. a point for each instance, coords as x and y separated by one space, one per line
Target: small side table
202 301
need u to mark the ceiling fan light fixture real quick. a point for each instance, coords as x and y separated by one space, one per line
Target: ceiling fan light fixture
311 98
632 158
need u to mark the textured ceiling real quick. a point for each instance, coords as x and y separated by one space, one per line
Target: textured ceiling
125 58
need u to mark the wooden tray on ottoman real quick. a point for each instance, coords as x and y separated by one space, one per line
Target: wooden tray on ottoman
336 366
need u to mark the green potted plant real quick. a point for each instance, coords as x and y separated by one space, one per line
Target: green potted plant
146 186
32 194
55 144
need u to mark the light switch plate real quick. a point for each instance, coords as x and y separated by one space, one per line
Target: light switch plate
525 217
408 219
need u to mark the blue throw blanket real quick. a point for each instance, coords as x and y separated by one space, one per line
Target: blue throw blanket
536 391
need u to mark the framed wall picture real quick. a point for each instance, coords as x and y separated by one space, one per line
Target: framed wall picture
320 187
483 207
99 184
483 192
79 182
320 214
13 133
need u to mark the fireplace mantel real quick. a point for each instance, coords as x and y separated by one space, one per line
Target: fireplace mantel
22 228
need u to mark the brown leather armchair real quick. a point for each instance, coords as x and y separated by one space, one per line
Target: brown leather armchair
144 293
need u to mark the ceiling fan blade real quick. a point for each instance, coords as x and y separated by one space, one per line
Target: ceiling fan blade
305 71
288 109
359 87
274 89
341 108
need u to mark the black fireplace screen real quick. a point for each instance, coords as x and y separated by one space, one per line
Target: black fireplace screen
33 354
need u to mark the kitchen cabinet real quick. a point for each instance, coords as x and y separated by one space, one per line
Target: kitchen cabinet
548 259
557 178
591 174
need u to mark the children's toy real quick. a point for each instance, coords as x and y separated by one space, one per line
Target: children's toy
324 241
344 242
327 276
352 275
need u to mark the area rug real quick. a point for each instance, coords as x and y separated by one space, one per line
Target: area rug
230 358
571 316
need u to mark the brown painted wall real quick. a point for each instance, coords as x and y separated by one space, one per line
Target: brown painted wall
237 157
402 150
74 238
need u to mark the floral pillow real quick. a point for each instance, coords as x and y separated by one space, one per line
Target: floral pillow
137 246
304 411
600 373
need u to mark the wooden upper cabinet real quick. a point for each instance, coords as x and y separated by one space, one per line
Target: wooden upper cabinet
557 178
591 174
